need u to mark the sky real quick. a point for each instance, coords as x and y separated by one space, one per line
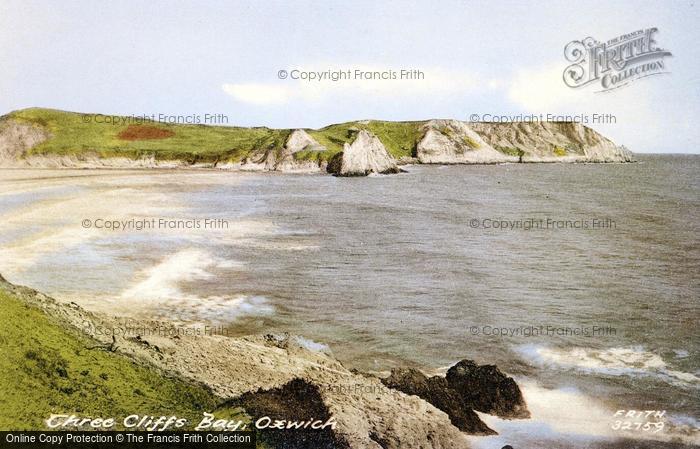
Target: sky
490 58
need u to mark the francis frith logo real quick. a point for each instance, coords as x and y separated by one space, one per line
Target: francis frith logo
615 63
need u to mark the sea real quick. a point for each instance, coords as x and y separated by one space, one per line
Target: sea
579 280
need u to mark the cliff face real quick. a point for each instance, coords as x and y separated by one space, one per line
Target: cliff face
364 156
551 142
16 138
299 141
454 142
284 160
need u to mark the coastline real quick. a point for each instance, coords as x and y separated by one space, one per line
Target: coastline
245 371
43 138
399 180
245 375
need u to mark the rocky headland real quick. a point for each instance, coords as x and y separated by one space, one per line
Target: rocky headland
54 139
366 155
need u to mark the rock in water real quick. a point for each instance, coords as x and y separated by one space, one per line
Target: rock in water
437 391
454 142
486 389
364 156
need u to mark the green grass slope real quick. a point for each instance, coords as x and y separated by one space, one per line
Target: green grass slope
75 134
399 138
46 369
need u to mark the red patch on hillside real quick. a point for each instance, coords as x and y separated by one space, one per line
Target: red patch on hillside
144 132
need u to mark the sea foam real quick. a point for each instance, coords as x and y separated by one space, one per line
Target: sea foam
618 361
159 291
565 417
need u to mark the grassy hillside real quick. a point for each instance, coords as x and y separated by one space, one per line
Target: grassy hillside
47 369
75 133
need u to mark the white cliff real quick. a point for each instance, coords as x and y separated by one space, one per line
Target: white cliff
551 142
453 142
283 159
16 138
364 156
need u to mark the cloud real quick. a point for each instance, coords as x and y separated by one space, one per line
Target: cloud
259 94
639 122
643 117
435 82
542 89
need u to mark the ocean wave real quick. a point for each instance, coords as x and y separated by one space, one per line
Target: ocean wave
21 254
311 345
565 417
159 291
621 361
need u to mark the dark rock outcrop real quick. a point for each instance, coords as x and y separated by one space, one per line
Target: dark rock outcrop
436 391
298 400
466 388
486 389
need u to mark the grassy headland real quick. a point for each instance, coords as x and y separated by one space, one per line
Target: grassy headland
73 134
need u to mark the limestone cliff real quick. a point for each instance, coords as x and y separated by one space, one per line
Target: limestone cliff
364 156
454 142
284 160
16 138
551 142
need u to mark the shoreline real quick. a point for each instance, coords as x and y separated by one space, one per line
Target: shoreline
244 370
172 166
255 369
251 370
